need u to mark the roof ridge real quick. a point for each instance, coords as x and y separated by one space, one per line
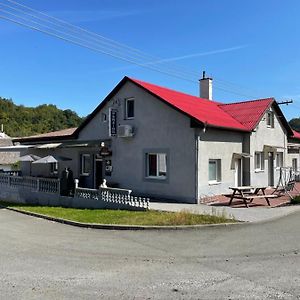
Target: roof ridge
172 90
247 101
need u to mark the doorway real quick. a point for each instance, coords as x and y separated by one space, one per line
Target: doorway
238 172
271 168
98 174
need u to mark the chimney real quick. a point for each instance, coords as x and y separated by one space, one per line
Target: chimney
206 87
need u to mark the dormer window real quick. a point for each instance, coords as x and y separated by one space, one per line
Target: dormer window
129 108
270 119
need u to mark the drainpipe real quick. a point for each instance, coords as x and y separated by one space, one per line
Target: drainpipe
197 146
197 138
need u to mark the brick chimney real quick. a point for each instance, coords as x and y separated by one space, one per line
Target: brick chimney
205 87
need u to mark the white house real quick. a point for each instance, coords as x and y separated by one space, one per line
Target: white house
170 145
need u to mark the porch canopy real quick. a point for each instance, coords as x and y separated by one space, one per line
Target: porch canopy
236 156
271 148
29 158
69 144
51 159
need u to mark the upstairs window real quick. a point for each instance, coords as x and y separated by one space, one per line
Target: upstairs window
259 161
129 108
270 119
156 165
104 117
214 170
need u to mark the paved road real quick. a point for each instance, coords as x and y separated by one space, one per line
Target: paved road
45 260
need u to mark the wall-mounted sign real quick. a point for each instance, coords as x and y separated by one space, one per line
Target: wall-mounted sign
113 122
104 151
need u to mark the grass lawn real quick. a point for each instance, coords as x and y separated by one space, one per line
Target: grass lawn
124 217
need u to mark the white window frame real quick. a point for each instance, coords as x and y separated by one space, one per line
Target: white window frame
279 160
259 164
83 157
270 119
218 177
157 176
54 168
127 100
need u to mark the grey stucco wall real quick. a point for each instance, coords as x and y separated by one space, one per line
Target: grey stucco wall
217 144
157 128
263 135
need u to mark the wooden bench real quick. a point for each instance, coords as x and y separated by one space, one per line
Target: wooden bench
267 197
249 193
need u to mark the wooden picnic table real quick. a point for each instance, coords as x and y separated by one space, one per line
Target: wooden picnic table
249 193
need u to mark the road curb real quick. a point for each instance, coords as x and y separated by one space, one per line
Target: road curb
120 227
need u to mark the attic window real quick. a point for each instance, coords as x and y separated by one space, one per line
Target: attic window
270 119
129 108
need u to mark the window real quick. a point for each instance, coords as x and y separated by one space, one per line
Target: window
270 119
103 117
129 108
156 165
54 168
295 164
259 162
214 170
85 164
279 159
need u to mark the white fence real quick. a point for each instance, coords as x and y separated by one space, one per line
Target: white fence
46 191
113 196
45 185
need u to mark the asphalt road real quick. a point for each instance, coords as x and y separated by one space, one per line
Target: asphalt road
46 260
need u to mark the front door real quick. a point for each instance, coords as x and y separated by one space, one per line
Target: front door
271 168
98 173
238 172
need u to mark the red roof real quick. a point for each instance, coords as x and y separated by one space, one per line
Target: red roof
239 116
248 113
296 135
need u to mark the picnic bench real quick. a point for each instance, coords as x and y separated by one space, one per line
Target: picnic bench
249 193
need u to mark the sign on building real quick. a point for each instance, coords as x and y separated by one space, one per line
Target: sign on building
113 122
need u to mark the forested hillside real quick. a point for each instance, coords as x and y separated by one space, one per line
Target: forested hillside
19 120
295 124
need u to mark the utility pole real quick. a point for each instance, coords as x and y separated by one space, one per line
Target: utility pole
287 102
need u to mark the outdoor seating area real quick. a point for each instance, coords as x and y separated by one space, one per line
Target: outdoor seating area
248 196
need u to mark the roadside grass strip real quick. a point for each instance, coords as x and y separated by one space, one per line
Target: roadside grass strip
122 217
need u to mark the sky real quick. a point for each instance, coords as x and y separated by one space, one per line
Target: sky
250 48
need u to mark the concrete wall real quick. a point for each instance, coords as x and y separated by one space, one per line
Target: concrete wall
217 144
263 135
157 129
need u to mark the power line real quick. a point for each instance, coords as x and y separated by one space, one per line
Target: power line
79 42
128 54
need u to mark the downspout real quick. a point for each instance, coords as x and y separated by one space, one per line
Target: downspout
197 146
197 166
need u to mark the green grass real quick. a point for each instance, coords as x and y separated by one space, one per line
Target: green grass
124 217
295 200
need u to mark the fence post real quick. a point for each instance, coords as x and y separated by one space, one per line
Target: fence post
38 185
